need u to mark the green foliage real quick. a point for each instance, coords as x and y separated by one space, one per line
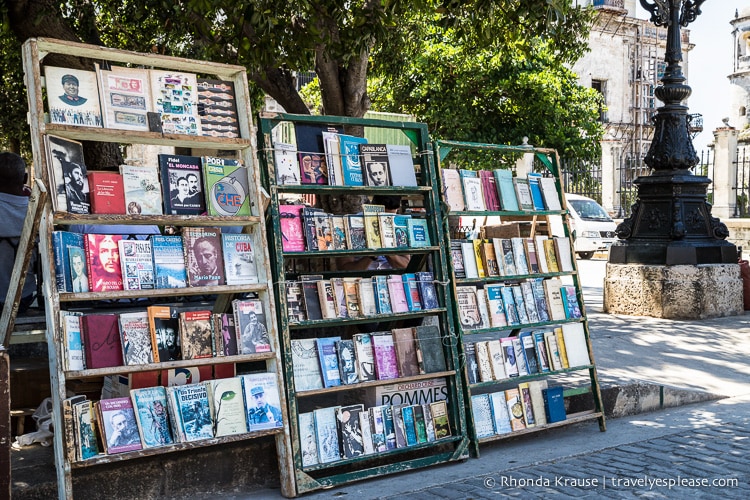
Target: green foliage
14 131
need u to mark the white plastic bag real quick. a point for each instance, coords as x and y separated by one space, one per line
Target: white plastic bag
43 435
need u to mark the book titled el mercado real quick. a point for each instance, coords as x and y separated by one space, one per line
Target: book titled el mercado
227 186
203 256
169 261
182 185
103 262
106 193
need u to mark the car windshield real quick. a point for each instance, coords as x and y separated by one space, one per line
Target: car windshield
589 210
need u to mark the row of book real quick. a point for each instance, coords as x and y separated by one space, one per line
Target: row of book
495 257
496 190
151 417
324 155
342 432
108 262
531 404
312 297
534 300
529 353
162 333
125 98
311 229
178 185
386 355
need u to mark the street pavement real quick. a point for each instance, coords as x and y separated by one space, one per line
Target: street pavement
694 450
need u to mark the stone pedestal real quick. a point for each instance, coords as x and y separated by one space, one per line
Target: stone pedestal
673 292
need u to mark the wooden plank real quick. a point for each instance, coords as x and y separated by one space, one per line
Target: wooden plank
573 418
5 430
159 292
65 218
23 258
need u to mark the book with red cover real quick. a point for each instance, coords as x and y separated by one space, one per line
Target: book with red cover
292 234
386 365
103 261
106 193
489 190
101 340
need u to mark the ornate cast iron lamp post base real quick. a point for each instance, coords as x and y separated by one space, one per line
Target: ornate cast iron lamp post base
672 259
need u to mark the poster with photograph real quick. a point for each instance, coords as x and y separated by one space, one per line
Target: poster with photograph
72 97
175 98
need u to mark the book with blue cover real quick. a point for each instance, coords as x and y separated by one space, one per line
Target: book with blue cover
62 242
506 190
350 159
482 412
329 361
410 431
169 261
500 416
554 404
419 236
427 291
411 290
382 296
536 190
511 314
326 434
151 413
239 259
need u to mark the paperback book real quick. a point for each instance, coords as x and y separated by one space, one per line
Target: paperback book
142 190
228 406
191 408
150 407
136 338
203 256
119 425
137 265
227 186
181 180
262 401
252 330
239 259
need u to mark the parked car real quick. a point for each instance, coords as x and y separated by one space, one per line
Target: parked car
593 229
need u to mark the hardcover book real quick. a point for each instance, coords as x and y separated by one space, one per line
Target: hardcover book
515 409
103 262
506 190
67 173
164 326
85 430
136 264
356 237
419 235
327 434
497 359
106 193
136 338
126 98
346 361
372 224
142 190
292 233
350 159
239 259
554 404
401 165
227 186
427 292
453 194
196 334
430 355
252 332
308 443
217 108
410 430
262 401
169 261
375 164
204 260
329 361
439 411
350 432
386 366
62 244
500 416
312 161
181 181
101 340
405 345
551 197
397 293
575 344
192 410
365 357
175 98
150 407
287 165
482 412
73 97
228 406
225 328
524 194
528 409
536 190
306 368
71 323
366 297
119 425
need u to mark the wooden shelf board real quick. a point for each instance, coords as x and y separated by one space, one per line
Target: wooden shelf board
353 253
118 457
325 189
516 277
374 383
508 213
378 318
573 418
68 219
162 292
535 376
523 326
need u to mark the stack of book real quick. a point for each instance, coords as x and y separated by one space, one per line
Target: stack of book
497 257
497 190
386 355
151 417
202 256
343 432
531 404
311 229
323 155
314 298
162 333
523 302
529 353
